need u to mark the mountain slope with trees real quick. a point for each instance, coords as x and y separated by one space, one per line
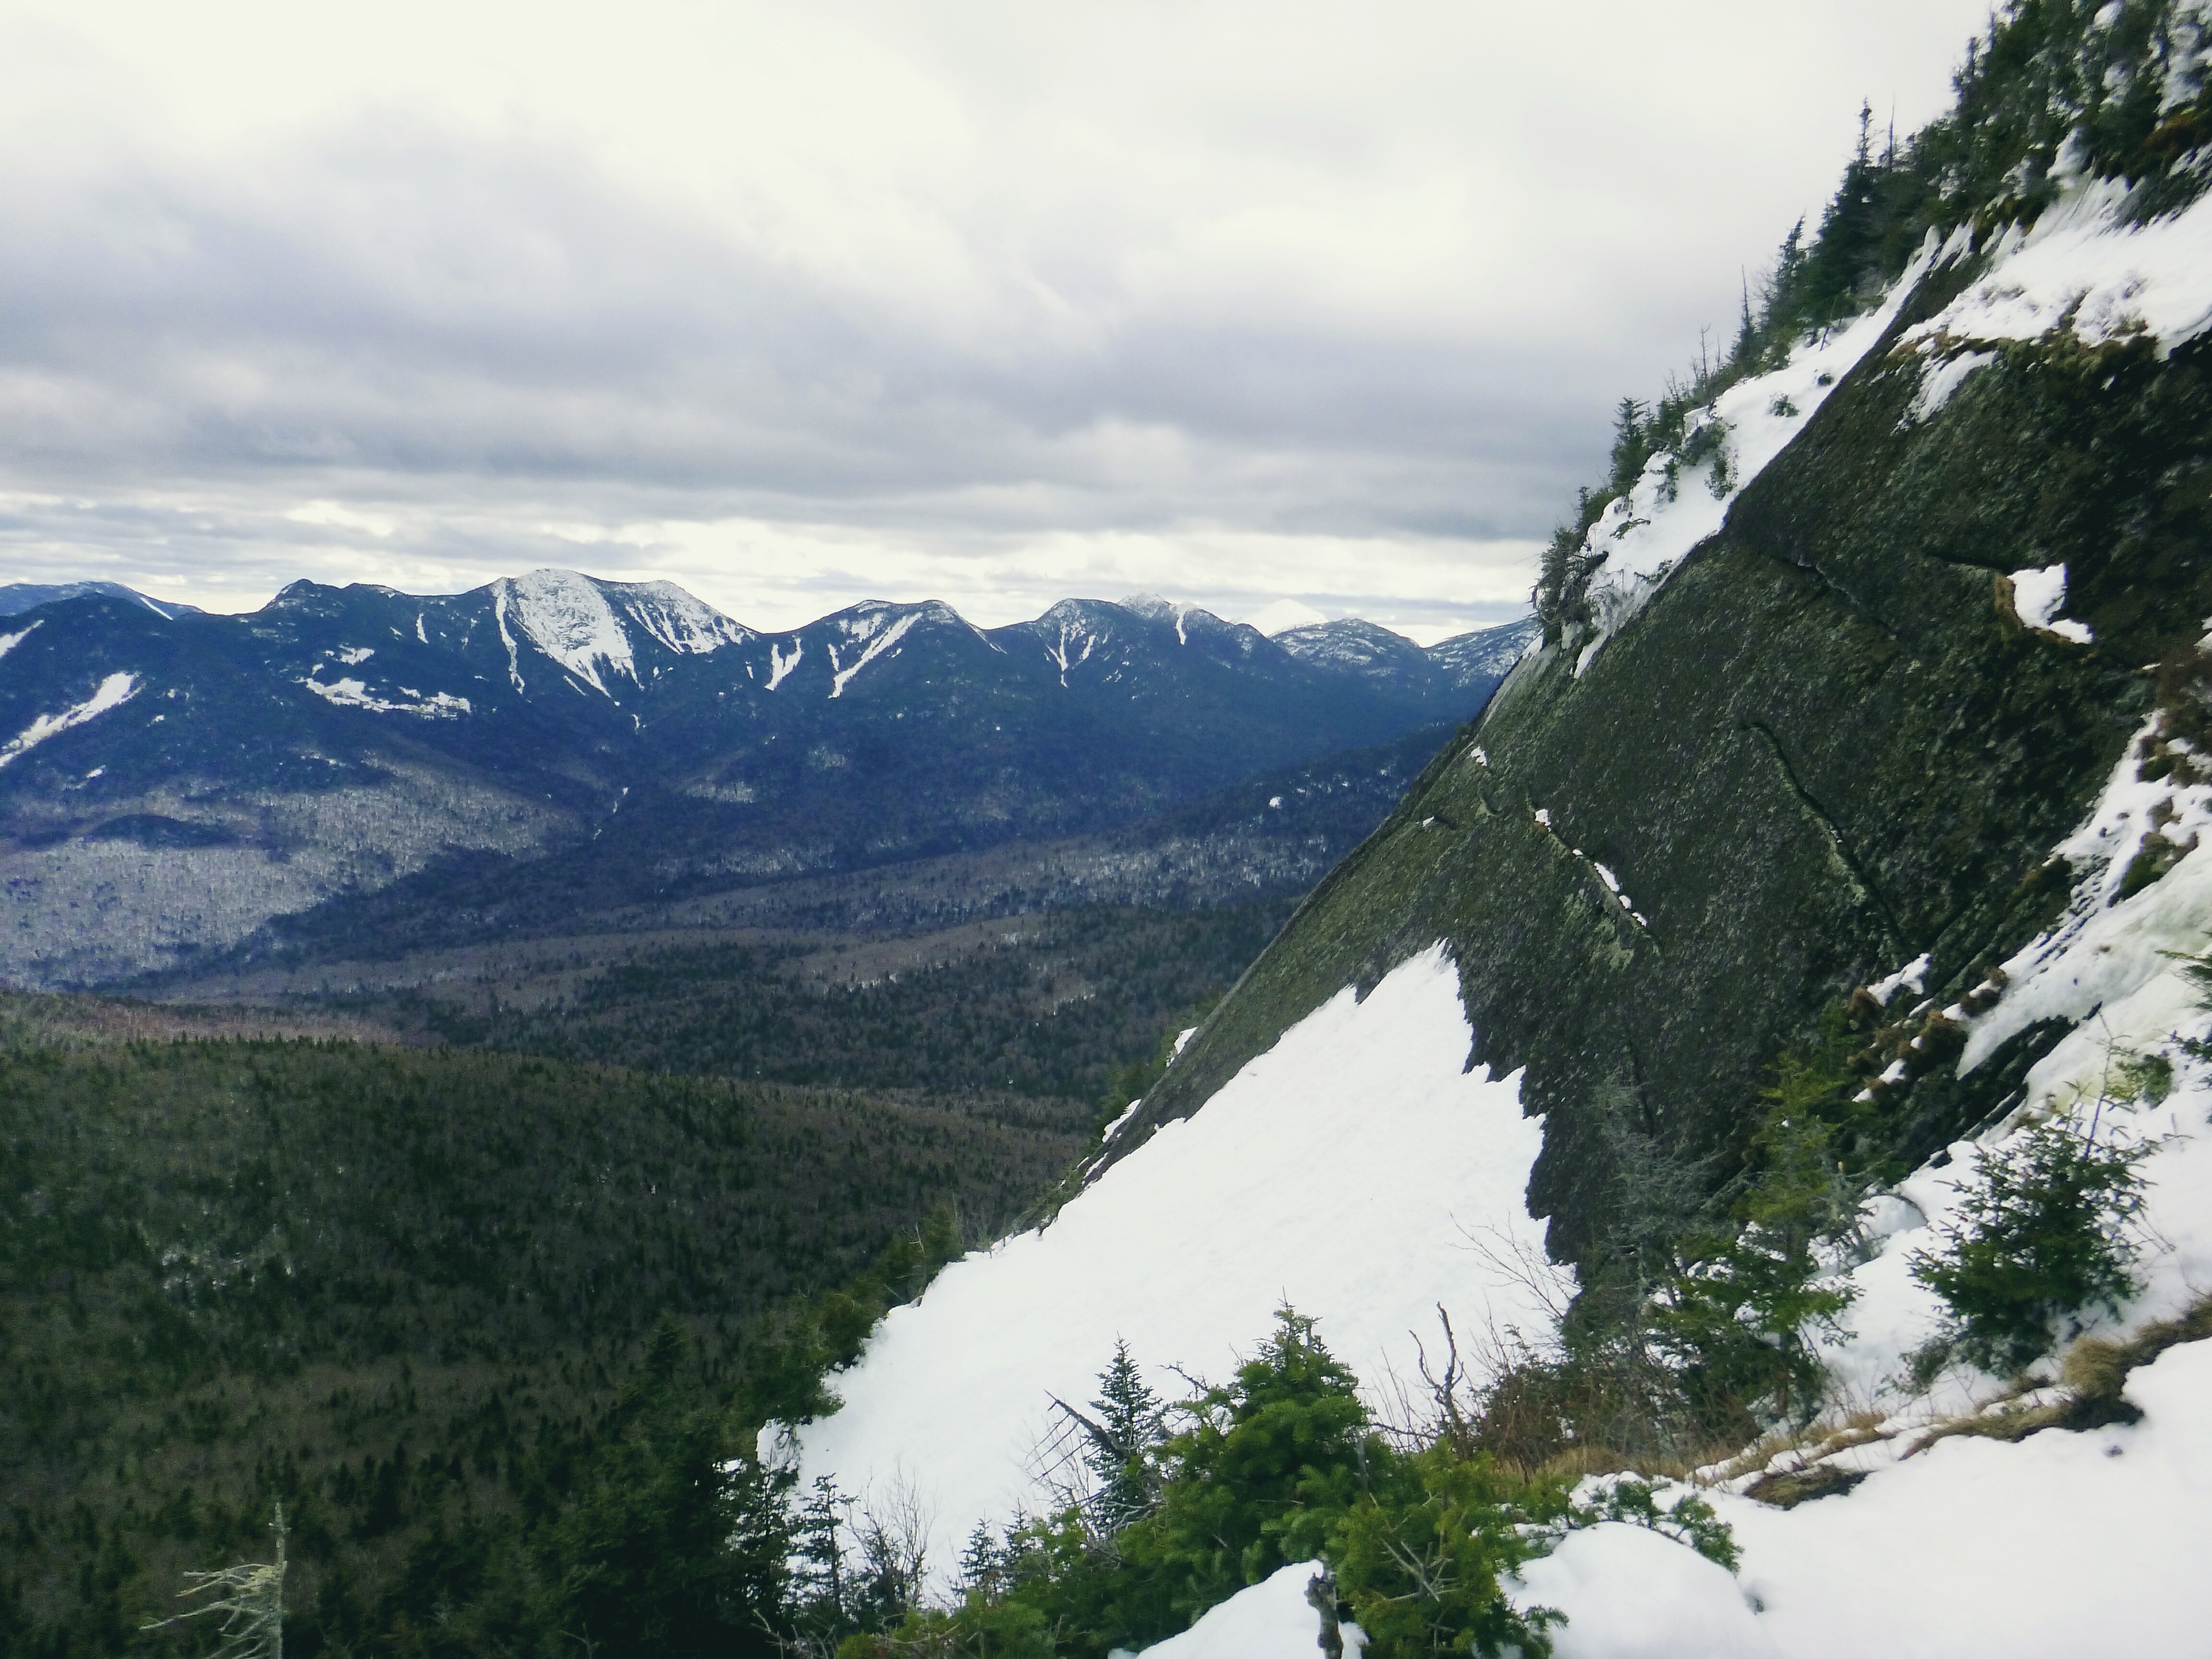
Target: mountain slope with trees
451 1310
1827 900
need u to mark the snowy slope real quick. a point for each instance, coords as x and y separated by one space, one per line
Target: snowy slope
584 624
2065 1543
1344 1171
2062 1543
114 691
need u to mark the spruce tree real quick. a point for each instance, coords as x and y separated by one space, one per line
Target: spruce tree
1130 1424
1269 1462
983 1563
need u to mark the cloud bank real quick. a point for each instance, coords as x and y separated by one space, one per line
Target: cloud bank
978 302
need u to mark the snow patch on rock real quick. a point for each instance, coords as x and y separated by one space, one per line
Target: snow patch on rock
115 690
2111 948
2039 595
2083 268
1643 536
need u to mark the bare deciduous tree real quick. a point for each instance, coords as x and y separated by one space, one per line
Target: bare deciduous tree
250 1598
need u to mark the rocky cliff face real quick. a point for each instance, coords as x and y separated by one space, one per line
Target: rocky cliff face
1845 731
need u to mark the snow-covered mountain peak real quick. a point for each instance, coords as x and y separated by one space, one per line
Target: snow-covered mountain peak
1187 619
1283 615
1092 613
565 616
680 620
1482 656
1152 606
585 624
1353 646
25 596
865 621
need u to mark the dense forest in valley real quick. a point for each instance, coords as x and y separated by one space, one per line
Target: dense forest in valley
414 1295
1048 1008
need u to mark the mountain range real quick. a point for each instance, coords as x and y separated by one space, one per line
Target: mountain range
172 779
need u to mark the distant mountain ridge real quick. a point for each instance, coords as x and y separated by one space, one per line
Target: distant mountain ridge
16 597
169 781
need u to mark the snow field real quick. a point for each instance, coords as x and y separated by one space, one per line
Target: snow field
1342 1171
1630 1593
1271 1621
2064 1543
2060 1544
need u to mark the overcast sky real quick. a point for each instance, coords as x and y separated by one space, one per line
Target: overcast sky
797 305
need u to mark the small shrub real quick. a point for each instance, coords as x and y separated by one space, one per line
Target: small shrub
2042 1237
1266 1464
1740 1313
1688 1520
1419 1555
2145 1078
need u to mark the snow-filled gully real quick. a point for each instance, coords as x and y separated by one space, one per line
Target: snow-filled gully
112 692
1293 1182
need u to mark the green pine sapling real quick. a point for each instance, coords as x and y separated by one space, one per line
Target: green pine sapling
2041 1238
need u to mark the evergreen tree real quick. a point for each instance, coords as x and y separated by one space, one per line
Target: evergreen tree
1270 1462
670 1546
818 1591
1133 1422
1741 1312
2039 1239
983 1562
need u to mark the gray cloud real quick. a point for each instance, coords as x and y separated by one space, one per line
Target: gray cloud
1232 306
